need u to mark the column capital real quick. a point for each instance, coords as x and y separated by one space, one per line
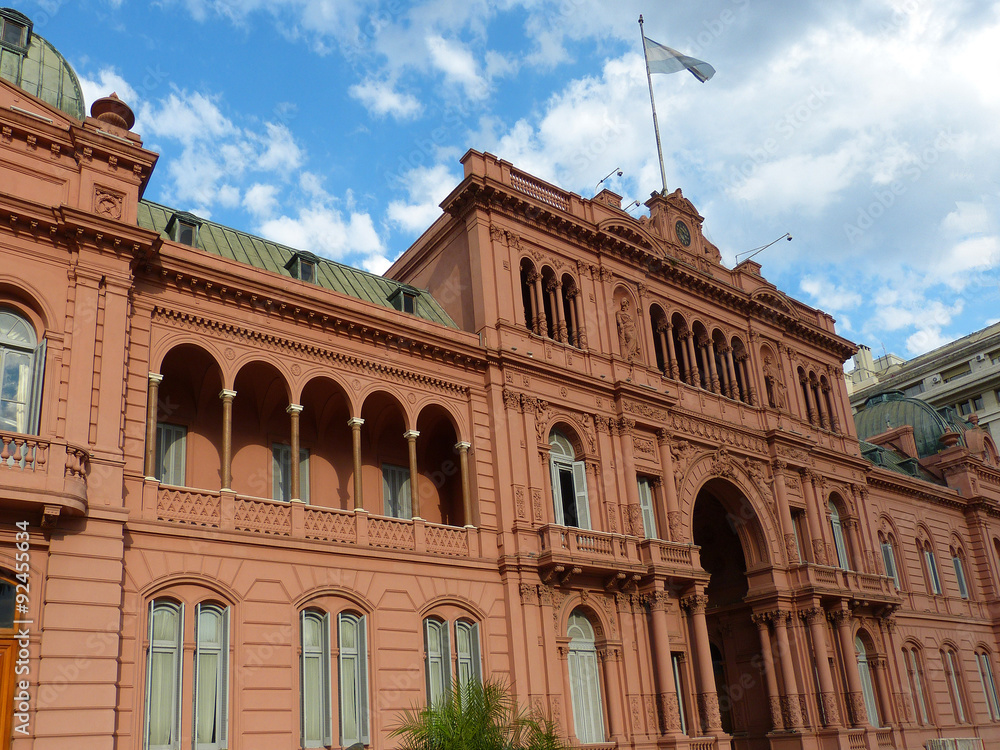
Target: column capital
840 617
813 615
294 408
695 603
663 436
355 422
155 377
411 434
658 600
761 619
463 446
227 393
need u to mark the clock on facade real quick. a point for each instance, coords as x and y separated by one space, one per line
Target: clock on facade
683 233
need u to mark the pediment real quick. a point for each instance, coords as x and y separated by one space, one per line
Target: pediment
774 299
633 232
14 98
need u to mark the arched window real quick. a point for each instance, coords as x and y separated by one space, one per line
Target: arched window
915 678
352 661
211 670
584 681
163 675
468 663
314 675
569 483
958 561
843 560
953 676
21 362
867 687
889 558
439 667
930 567
989 686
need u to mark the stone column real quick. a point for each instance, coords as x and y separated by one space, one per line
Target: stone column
669 486
581 331
612 687
708 358
791 709
859 714
770 678
724 375
815 517
659 606
817 394
574 338
540 324
294 410
751 394
411 445
806 388
879 666
815 618
693 372
668 334
828 398
227 397
152 407
708 696
784 514
555 298
355 424
734 386
463 458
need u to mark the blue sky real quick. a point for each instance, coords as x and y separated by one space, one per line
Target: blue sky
869 129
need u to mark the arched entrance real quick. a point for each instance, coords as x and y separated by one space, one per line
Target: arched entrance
726 528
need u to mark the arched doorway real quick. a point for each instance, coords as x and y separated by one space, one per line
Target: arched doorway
727 529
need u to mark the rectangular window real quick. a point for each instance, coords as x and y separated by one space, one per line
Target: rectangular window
211 677
798 519
889 557
171 453
352 660
281 472
675 660
314 680
951 671
963 589
646 505
977 403
396 491
163 676
916 684
13 33
438 660
989 687
932 572
569 493
843 561
467 652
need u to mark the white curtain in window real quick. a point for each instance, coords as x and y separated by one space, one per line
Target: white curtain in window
889 557
917 684
646 505
467 652
989 687
314 673
584 681
353 665
838 538
396 491
963 589
163 676
281 472
951 669
171 453
438 666
932 571
211 662
867 689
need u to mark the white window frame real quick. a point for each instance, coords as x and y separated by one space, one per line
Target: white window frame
963 586
675 661
352 668
203 648
989 685
34 350
917 684
889 558
321 654
468 661
281 472
867 688
585 682
171 454
438 687
951 670
930 561
396 499
171 646
838 538
560 461
647 507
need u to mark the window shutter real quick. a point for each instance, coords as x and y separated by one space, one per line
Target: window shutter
890 562
325 692
580 485
176 744
197 672
404 501
303 474
646 505
302 679
149 672
224 682
37 379
557 502
363 678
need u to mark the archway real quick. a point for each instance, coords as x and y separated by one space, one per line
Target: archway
726 527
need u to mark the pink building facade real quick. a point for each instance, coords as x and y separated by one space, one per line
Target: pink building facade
254 499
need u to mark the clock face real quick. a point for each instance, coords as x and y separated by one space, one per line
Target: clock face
683 233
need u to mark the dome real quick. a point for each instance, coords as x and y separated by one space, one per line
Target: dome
892 409
34 65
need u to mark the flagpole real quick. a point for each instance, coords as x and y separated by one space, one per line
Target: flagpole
656 127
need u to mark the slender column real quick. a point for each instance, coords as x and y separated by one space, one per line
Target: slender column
810 404
854 539
817 394
791 709
827 394
734 386
708 367
901 681
411 445
294 410
659 605
663 348
531 278
668 334
708 696
555 298
542 329
669 485
856 701
725 375
693 372
355 425
770 678
784 513
880 667
227 397
574 338
613 686
463 458
152 406
814 516
751 393
581 331
815 618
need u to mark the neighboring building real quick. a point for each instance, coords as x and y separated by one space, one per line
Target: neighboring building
258 499
963 375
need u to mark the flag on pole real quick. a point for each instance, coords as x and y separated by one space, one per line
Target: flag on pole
663 59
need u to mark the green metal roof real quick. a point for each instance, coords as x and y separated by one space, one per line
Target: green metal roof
893 461
892 409
40 70
260 253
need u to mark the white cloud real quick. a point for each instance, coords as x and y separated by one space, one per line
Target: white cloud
828 295
380 98
426 187
186 117
458 65
326 231
107 82
261 200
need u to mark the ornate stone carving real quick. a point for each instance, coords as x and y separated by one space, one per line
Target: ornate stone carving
519 501
643 445
529 593
722 464
603 424
612 518
546 595
791 548
536 504
859 714
662 436
624 425
695 603
108 203
628 332
645 410
670 715
777 719
831 713
511 400
708 710
659 600
683 453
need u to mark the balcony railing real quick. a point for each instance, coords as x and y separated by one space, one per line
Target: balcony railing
43 473
228 511
868 585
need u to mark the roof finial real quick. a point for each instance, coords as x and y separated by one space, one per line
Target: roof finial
113 111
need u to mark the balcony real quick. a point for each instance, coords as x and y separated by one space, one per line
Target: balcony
228 511
825 579
567 551
49 476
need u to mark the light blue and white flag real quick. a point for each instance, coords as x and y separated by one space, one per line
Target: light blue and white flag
663 59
